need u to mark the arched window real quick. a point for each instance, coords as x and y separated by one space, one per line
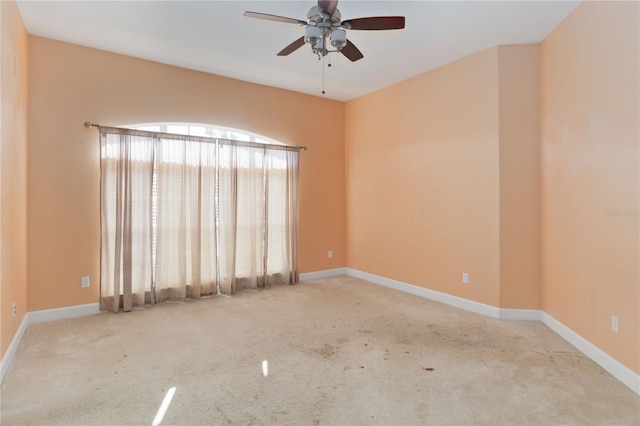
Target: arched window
204 130
190 210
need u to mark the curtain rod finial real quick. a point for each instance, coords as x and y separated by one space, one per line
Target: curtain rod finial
89 124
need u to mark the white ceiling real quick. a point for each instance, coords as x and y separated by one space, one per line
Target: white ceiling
214 37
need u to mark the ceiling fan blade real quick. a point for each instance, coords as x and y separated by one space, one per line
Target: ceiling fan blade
275 18
375 23
328 6
351 52
297 44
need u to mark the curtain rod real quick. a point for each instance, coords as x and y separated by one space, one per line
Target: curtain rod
89 125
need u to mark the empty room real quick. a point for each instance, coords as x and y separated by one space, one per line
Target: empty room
320 212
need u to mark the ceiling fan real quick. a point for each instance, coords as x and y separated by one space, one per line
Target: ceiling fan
324 26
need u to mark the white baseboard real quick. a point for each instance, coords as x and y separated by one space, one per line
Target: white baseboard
35 317
10 354
458 302
621 372
308 276
521 314
618 370
47 315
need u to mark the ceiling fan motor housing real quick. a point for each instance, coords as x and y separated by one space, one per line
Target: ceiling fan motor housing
317 15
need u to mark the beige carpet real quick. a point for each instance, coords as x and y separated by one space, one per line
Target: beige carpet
339 351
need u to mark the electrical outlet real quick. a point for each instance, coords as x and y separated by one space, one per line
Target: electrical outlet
14 309
330 254
615 324
84 282
465 278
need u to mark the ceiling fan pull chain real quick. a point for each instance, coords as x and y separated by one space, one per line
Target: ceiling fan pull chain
323 75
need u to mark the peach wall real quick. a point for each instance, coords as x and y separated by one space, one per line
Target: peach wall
13 171
590 165
70 84
519 75
422 180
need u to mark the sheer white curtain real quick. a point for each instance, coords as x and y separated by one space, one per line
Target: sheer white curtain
186 221
259 224
282 216
227 216
186 216
249 219
126 219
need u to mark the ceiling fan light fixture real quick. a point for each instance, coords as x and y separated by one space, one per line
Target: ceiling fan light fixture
312 35
338 38
314 15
